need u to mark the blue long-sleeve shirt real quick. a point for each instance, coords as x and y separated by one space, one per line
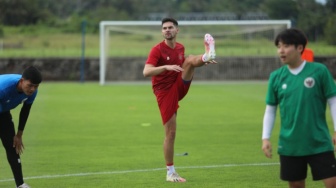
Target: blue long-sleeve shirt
10 97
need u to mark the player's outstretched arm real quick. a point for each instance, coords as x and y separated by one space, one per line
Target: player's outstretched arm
151 70
268 123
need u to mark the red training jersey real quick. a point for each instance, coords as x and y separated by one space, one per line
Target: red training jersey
160 55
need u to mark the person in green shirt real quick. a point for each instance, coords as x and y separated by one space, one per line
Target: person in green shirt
302 91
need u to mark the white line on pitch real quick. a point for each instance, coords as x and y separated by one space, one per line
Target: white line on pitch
140 170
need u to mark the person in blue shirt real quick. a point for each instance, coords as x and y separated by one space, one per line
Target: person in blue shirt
14 90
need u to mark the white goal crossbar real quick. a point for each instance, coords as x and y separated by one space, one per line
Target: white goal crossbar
104 33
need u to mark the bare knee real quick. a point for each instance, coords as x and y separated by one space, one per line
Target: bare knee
170 128
188 62
297 184
171 135
330 182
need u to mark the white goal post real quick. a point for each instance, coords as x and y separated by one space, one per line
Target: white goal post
105 28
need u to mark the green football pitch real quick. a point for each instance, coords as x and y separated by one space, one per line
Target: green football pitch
83 135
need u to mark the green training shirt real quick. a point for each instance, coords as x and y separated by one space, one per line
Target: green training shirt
302 100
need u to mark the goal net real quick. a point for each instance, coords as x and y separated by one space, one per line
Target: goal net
124 45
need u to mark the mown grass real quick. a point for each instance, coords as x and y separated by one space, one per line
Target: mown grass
32 42
86 135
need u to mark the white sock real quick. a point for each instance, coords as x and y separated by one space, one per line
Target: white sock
170 169
204 57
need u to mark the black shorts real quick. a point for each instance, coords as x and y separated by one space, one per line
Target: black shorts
322 165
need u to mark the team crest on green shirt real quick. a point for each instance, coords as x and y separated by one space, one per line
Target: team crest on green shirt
309 82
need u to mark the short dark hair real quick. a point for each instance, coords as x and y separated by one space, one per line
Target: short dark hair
32 74
164 20
291 36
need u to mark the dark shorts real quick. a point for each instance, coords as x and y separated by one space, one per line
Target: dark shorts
168 99
322 165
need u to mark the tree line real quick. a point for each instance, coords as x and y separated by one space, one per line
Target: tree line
317 20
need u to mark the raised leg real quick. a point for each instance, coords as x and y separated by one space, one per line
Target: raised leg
193 61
